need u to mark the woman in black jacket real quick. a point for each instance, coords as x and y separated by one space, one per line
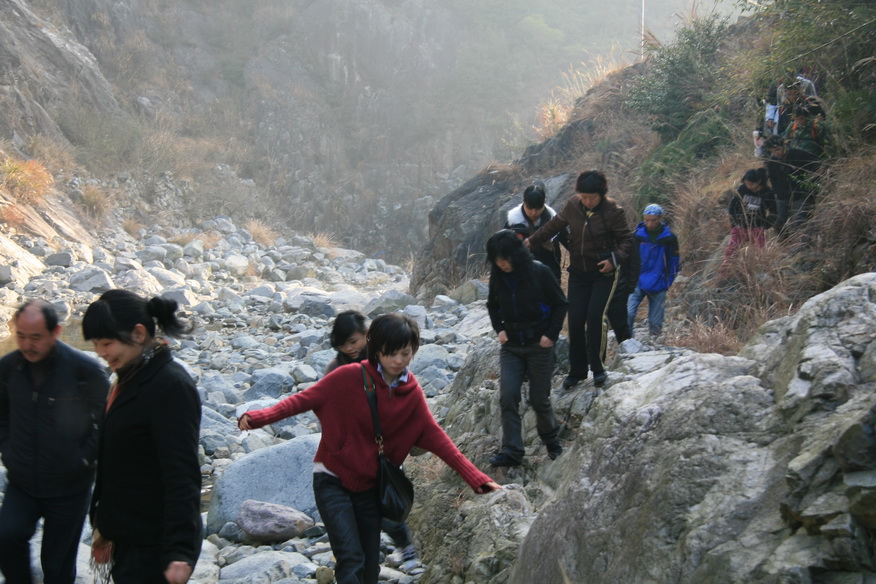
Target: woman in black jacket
527 308
146 502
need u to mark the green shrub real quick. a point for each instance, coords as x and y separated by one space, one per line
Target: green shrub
680 77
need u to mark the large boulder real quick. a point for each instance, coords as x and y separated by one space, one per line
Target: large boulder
278 474
710 469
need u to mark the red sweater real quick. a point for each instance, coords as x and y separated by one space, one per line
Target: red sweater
347 447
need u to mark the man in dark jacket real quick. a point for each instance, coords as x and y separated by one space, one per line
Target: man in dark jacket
51 401
794 178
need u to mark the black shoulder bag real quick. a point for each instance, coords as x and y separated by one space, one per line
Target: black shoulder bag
395 492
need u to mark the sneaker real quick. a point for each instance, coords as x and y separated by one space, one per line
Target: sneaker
570 382
555 449
409 559
503 459
600 378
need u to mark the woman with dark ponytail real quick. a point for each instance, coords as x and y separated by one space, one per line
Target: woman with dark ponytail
146 504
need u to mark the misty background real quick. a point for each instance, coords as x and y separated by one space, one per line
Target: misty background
347 118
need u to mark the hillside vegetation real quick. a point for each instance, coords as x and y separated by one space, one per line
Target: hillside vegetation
677 129
703 96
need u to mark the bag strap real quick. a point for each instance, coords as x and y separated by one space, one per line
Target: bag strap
371 393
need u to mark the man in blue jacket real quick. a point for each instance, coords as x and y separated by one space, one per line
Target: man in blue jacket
51 402
660 263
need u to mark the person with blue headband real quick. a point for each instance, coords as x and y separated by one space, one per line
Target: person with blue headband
660 264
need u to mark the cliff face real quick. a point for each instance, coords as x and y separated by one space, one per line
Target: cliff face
39 69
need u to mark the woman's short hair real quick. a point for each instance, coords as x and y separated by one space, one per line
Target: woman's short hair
392 332
115 314
346 324
592 181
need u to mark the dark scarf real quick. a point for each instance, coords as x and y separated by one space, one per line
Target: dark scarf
127 373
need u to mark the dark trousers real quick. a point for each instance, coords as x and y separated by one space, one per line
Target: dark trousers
399 532
589 296
538 362
63 518
137 564
352 521
617 317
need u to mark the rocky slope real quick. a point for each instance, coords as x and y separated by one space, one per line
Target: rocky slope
686 467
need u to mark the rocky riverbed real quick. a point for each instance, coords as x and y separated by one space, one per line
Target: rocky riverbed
263 315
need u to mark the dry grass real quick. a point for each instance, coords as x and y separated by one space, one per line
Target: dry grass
96 201
210 240
323 239
57 157
182 239
12 217
26 181
132 227
705 336
261 233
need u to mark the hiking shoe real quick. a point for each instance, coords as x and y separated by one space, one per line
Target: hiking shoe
503 459
554 449
600 378
570 382
409 559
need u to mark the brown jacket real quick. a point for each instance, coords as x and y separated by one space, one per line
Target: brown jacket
604 230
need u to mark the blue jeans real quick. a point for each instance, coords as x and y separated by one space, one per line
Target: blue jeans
352 521
63 518
656 309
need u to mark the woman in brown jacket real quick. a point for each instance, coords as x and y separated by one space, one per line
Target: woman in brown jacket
599 240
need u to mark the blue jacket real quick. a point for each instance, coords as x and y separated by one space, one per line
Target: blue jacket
660 260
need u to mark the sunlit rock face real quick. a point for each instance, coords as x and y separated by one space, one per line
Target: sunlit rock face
45 64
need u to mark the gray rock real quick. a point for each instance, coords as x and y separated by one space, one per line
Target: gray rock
269 382
390 301
64 259
272 474
183 296
151 253
236 264
272 523
194 249
419 314
140 281
263 567
167 278
91 279
429 356
470 291
304 373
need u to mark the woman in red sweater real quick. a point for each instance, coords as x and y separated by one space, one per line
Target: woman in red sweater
345 465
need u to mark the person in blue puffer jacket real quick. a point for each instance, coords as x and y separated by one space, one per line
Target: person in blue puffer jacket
660 264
